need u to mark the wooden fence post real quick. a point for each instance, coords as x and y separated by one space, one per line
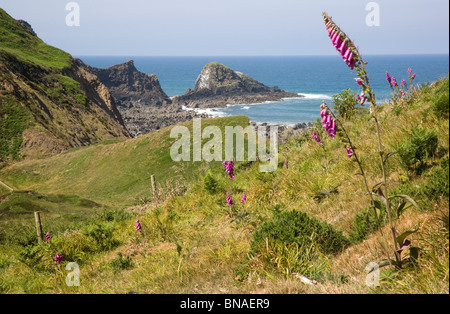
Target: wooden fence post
37 218
152 177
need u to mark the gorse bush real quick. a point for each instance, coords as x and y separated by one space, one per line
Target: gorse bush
440 100
438 181
296 227
210 183
344 103
365 223
102 234
419 145
120 263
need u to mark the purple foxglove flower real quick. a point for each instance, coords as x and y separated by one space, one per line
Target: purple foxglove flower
316 138
388 78
359 81
413 76
394 82
403 82
244 198
332 33
229 200
358 97
349 152
323 112
409 70
286 163
138 225
47 237
342 48
347 54
229 168
58 258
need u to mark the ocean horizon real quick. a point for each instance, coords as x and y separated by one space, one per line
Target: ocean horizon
317 78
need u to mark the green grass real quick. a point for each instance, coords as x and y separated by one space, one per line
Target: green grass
14 119
113 173
190 244
15 40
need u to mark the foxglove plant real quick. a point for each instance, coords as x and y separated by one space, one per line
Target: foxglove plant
354 60
244 198
47 237
138 226
400 91
58 258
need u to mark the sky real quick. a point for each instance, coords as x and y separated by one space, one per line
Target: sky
235 27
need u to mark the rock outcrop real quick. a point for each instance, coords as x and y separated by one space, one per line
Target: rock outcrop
143 104
52 100
218 85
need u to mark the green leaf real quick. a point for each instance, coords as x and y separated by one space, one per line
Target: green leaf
407 198
401 238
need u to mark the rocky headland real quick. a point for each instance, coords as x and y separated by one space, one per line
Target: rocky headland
218 85
143 104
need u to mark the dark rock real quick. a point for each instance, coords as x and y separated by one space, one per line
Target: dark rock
218 86
144 106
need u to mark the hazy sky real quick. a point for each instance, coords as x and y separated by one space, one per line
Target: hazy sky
234 27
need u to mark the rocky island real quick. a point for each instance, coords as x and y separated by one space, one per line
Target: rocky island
218 85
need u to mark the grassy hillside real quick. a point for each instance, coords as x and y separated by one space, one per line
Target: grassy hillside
113 172
18 41
307 219
49 102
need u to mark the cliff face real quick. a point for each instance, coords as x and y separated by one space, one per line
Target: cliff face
143 104
49 102
218 85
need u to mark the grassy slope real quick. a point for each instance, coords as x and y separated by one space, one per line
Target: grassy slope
190 246
15 40
111 173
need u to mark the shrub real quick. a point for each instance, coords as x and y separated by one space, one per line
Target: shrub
102 234
440 105
417 147
120 263
438 181
210 183
362 226
296 227
344 103
116 215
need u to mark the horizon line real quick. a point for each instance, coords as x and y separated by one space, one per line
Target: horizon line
221 56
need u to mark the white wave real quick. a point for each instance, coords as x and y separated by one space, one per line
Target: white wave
315 96
213 112
245 108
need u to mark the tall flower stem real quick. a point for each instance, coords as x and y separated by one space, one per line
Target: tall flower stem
381 150
354 60
361 169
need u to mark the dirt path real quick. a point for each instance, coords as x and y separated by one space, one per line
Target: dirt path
6 186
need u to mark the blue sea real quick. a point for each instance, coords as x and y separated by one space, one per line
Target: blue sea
316 77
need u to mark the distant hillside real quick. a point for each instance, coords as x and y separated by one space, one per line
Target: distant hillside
218 85
49 102
144 106
115 173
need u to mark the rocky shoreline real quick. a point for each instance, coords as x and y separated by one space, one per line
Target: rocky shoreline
145 107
